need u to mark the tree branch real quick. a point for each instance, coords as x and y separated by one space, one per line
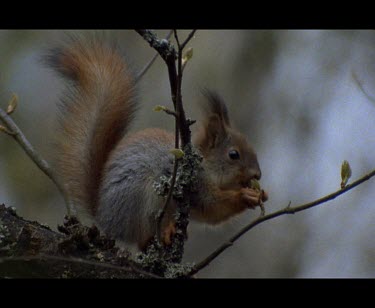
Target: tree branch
29 249
183 124
13 130
149 64
169 197
182 130
361 87
286 210
190 36
167 53
77 261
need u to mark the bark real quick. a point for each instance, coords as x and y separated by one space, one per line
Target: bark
29 249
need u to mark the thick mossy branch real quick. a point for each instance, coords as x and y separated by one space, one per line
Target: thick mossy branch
186 175
165 260
31 250
185 187
158 260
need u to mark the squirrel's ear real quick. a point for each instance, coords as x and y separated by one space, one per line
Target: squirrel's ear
215 123
215 105
215 130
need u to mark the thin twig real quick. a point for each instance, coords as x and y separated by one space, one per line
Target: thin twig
183 123
130 267
287 210
169 197
167 53
7 131
176 38
17 134
149 64
190 36
173 181
360 85
170 112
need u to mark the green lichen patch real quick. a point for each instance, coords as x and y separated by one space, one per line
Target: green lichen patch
157 260
187 176
4 234
81 239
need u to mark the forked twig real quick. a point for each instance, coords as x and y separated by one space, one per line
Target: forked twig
149 64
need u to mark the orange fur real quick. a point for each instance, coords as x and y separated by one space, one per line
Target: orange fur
225 203
97 111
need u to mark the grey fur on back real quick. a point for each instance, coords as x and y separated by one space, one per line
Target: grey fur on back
128 202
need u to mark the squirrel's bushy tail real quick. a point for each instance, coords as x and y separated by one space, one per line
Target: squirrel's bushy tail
96 111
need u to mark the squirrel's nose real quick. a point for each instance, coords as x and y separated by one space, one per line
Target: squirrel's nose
255 174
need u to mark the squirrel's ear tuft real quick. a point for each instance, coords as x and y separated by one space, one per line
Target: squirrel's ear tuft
215 131
215 105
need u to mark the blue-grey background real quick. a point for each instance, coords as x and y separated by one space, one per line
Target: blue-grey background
291 92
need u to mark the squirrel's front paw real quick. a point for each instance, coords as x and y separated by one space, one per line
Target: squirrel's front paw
168 233
252 197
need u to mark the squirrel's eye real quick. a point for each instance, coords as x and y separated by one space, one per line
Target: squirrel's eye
233 154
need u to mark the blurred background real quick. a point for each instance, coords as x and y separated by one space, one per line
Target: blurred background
291 92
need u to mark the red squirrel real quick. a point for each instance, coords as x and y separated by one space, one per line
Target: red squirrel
111 172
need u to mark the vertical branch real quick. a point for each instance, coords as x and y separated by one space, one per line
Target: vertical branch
167 53
184 125
182 130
